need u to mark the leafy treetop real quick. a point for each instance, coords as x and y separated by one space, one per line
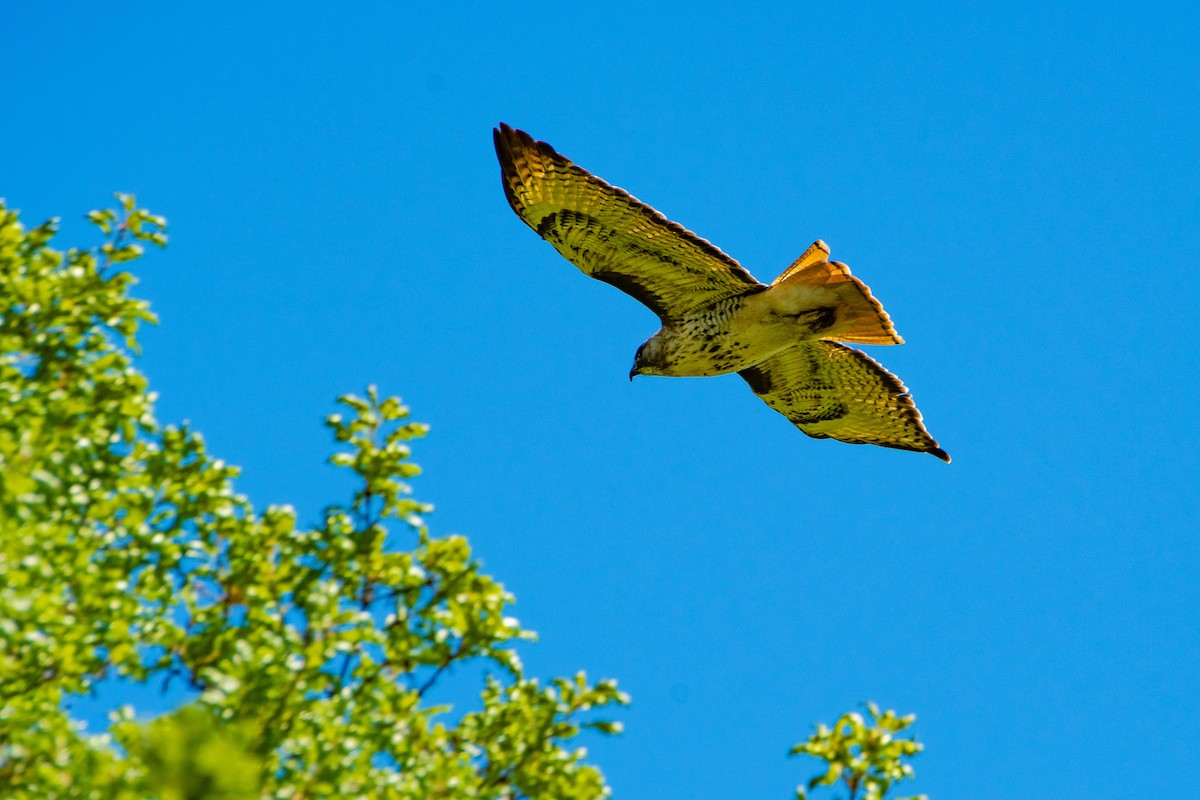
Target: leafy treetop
866 759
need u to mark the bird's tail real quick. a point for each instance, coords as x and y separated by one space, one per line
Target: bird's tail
860 317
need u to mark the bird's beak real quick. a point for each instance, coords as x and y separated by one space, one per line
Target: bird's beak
634 371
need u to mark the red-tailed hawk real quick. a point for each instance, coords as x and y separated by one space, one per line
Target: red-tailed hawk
783 339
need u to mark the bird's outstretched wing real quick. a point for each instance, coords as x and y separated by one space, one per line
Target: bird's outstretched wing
831 391
610 235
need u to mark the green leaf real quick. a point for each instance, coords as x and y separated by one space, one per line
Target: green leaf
127 253
103 219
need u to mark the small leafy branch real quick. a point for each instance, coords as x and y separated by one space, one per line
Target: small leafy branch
864 758
130 221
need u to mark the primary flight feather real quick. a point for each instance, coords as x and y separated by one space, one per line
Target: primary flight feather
783 339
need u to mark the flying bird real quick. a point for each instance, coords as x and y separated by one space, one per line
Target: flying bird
784 339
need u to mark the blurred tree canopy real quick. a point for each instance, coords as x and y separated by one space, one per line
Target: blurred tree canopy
310 651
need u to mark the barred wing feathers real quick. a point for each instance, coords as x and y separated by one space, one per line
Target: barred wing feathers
610 235
831 391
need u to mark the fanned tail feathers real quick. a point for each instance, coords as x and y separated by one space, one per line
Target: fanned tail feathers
861 318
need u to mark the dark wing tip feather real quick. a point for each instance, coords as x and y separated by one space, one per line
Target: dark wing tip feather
508 143
933 449
504 138
511 142
500 138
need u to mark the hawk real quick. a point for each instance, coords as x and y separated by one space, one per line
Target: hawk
784 339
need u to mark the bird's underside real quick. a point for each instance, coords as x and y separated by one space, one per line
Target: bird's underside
783 339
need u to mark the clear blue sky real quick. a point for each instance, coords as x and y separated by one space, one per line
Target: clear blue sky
1016 182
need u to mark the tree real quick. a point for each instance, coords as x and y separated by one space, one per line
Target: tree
865 759
310 651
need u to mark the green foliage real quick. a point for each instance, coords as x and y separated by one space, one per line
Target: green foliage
191 755
866 759
312 652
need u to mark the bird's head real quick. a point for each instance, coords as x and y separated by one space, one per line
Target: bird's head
650 358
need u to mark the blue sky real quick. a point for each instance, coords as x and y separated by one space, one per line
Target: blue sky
1017 183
